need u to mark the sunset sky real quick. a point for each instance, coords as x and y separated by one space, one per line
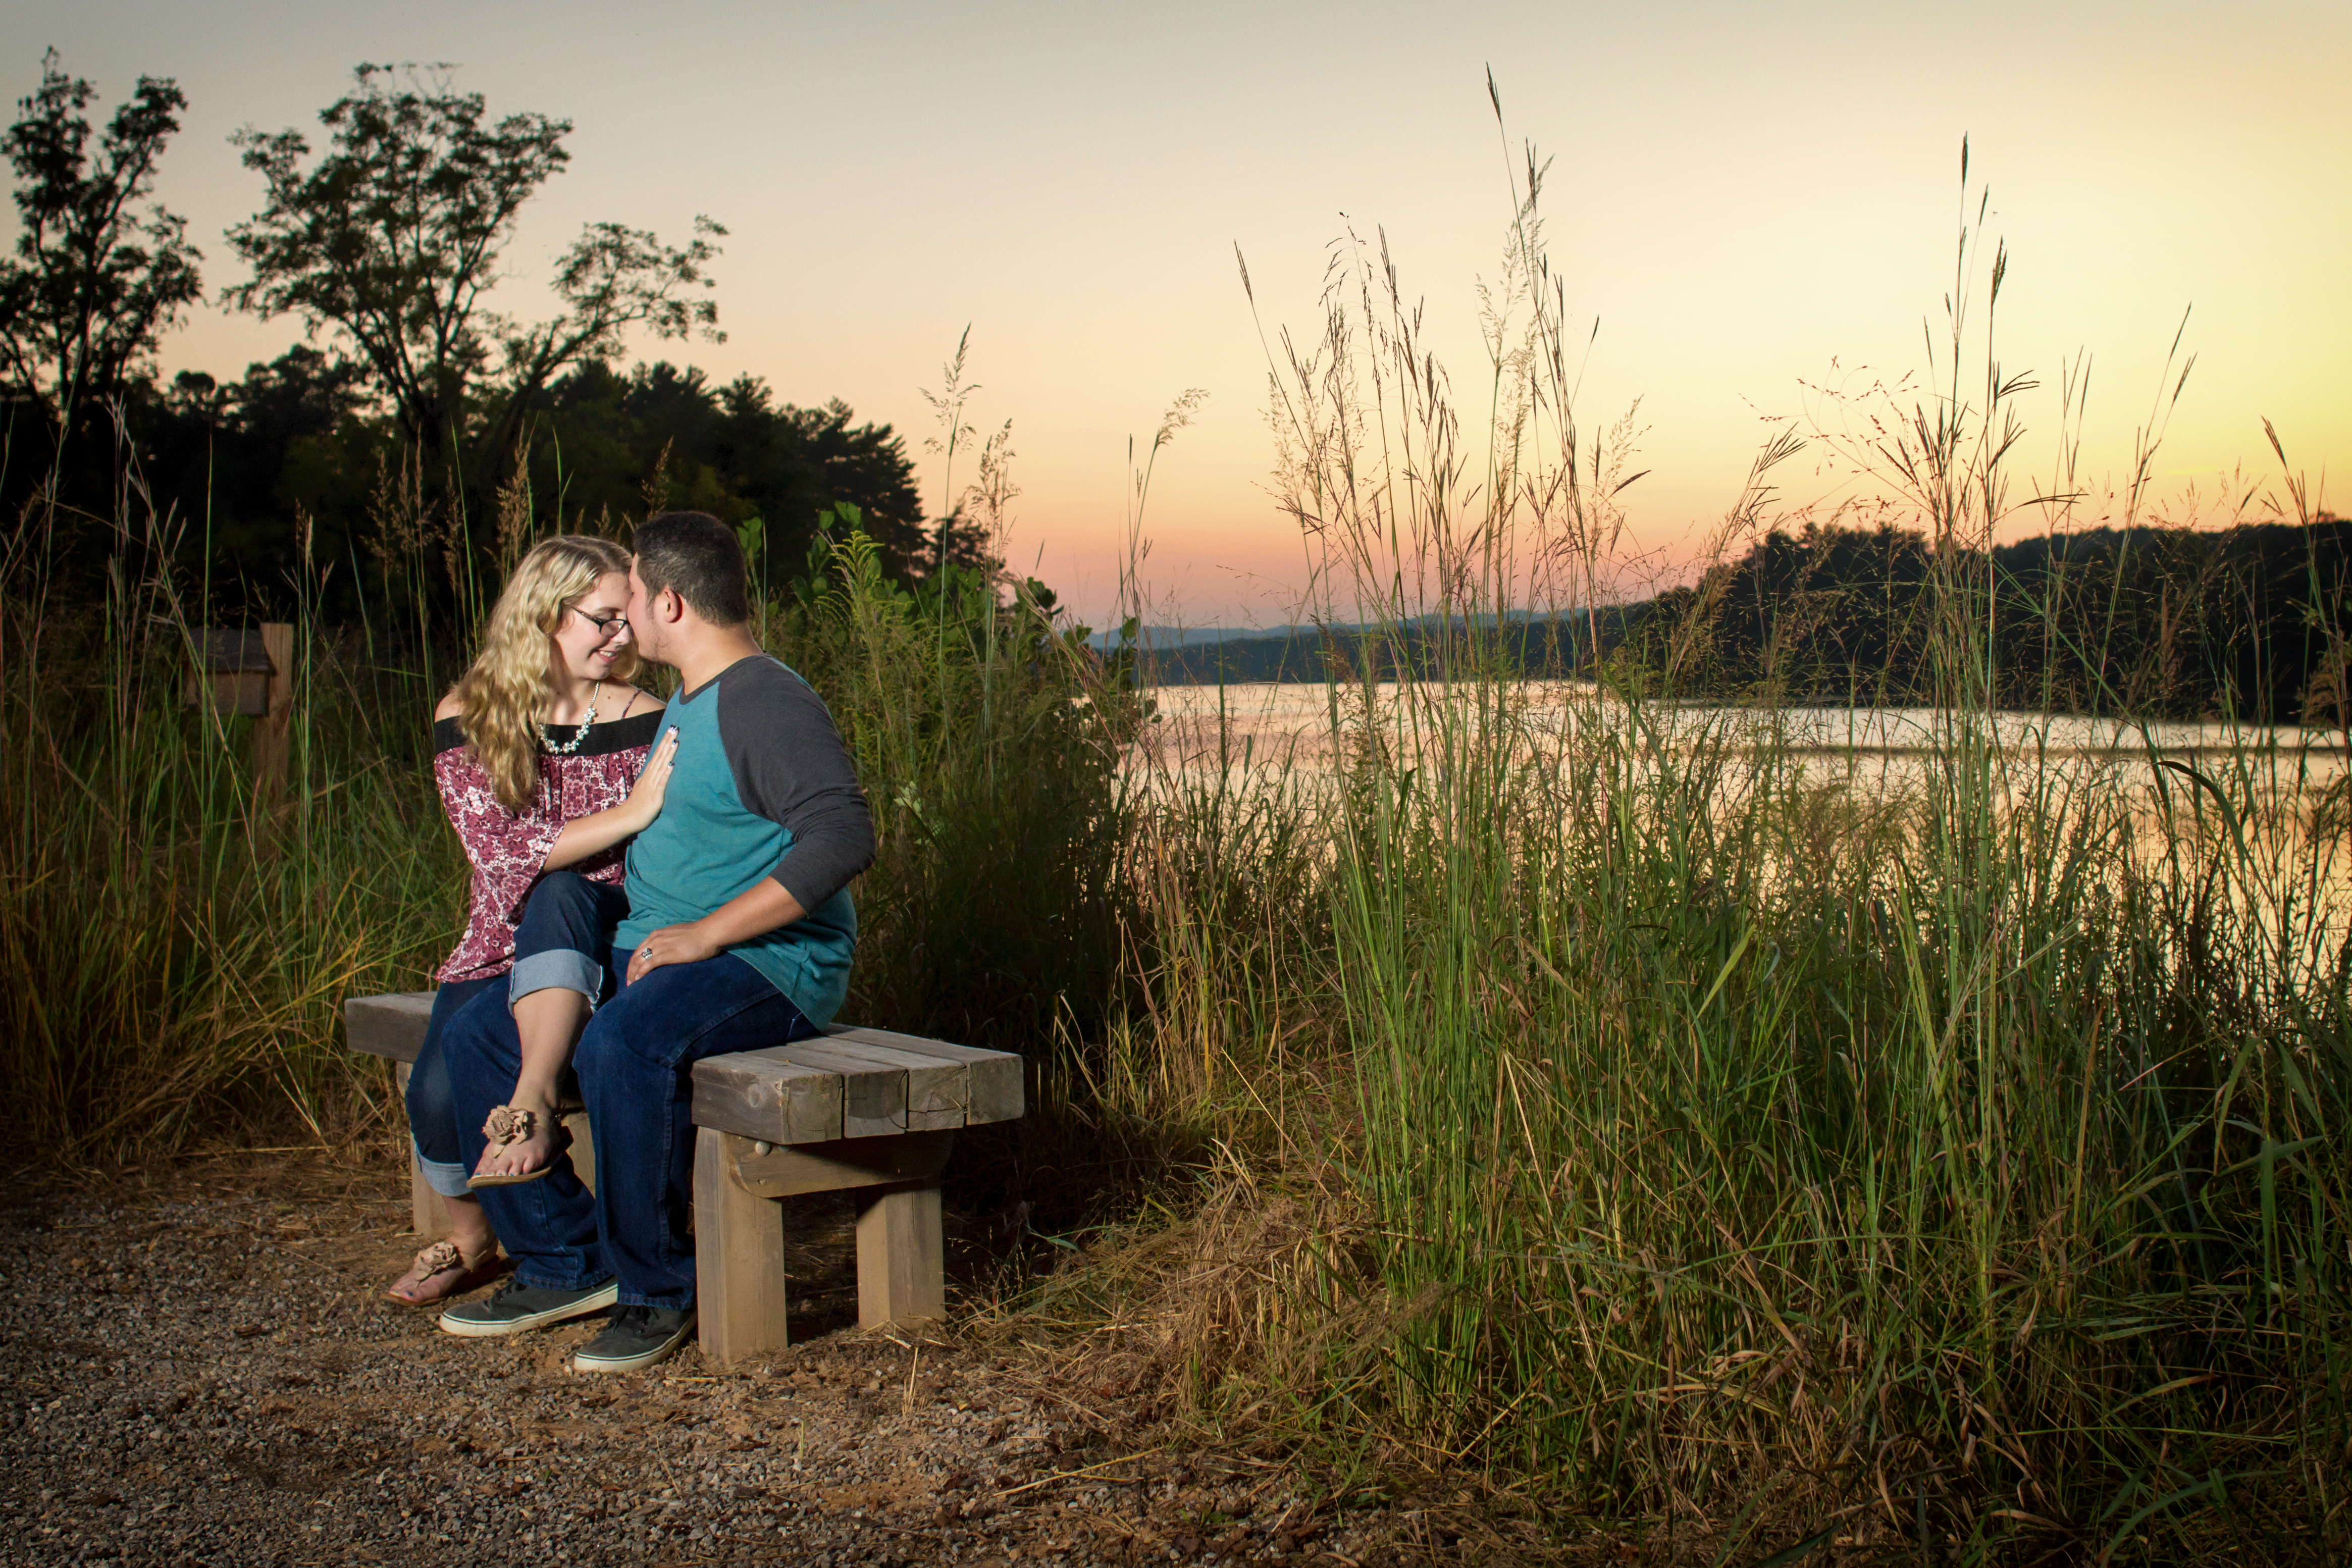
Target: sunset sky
1749 198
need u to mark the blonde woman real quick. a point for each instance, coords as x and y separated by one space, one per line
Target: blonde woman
546 758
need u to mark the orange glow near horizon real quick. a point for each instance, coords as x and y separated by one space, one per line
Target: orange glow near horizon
1748 203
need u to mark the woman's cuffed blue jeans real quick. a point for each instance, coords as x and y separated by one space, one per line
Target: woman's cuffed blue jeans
567 923
431 1116
636 1065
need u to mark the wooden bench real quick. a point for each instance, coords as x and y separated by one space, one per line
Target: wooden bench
862 1110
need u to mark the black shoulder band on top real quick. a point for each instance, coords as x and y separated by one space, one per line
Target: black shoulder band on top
602 739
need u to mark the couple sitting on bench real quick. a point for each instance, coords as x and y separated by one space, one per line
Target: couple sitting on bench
730 931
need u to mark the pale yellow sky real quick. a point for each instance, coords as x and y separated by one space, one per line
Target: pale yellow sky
1745 196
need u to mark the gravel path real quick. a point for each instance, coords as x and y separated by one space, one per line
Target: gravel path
201 1371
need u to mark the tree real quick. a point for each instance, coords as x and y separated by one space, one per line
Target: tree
732 450
98 276
390 241
831 462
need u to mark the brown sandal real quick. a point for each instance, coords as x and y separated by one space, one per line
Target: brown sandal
442 1267
510 1125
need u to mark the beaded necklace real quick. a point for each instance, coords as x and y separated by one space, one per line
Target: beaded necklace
548 741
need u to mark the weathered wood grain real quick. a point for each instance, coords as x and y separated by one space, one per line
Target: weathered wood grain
901 1273
272 730
761 1094
739 1258
937 1090
873 1091
392 1027
995 1091
790 1172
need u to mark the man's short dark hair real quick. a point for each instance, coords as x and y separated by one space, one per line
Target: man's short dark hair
695 555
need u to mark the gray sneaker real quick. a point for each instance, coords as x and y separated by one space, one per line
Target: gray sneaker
515 1306
638 1336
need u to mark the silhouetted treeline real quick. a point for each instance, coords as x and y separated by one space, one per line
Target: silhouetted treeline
2244 622
244 464
1538 646
2161 622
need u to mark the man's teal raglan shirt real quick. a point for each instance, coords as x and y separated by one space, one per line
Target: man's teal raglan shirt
761 786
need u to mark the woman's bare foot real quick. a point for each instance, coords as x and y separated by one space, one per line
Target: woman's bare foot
522 1140
441 1270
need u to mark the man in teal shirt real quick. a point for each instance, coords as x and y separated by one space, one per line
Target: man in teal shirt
739 935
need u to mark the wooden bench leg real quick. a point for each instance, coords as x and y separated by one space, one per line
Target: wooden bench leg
584 1149
425 1215
738 1256
900 1271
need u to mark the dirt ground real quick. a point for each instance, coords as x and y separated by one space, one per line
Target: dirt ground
199 1367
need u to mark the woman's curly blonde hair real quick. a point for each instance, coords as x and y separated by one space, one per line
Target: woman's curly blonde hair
506 696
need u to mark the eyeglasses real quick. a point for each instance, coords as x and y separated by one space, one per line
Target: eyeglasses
607 627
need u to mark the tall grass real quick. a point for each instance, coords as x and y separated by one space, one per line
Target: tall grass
177 934
1961 1172
174 937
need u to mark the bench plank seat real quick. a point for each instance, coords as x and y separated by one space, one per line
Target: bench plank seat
389 1027
930 1091
996 1090
873 1093
764 1095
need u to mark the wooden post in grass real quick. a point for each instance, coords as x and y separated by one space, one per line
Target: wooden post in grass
272 732
251 674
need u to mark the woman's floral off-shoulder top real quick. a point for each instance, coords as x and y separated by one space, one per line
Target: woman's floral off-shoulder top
509 848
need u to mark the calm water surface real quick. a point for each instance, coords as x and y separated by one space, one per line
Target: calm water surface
2278 779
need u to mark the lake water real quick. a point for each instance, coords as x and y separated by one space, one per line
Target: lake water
1208 726
2283 829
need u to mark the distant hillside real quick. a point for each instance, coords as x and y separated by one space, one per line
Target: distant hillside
1183 637
2247 621
2250 621
1530 646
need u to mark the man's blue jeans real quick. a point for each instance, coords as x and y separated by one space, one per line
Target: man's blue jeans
566 925
636 1067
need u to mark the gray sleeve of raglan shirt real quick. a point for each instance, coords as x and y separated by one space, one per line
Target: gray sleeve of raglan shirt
791 767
